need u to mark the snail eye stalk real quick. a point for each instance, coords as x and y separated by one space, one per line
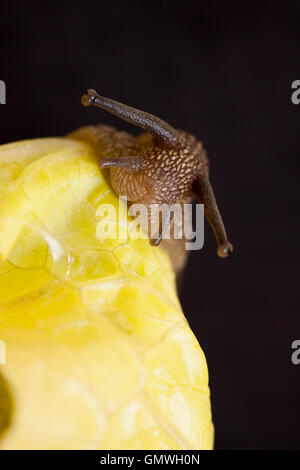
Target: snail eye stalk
146 121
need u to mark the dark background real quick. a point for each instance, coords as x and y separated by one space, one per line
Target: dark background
222 71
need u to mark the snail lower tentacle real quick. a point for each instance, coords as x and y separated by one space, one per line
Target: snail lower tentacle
205 195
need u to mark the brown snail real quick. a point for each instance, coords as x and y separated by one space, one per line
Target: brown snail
161 166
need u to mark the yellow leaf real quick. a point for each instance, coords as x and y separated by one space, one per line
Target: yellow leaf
98 352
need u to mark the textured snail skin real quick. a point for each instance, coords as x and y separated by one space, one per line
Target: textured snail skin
154 181
99 353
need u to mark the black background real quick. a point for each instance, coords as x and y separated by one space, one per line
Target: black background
222 71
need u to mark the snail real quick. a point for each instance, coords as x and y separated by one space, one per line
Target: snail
160 166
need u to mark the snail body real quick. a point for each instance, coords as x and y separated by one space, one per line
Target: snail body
162 166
